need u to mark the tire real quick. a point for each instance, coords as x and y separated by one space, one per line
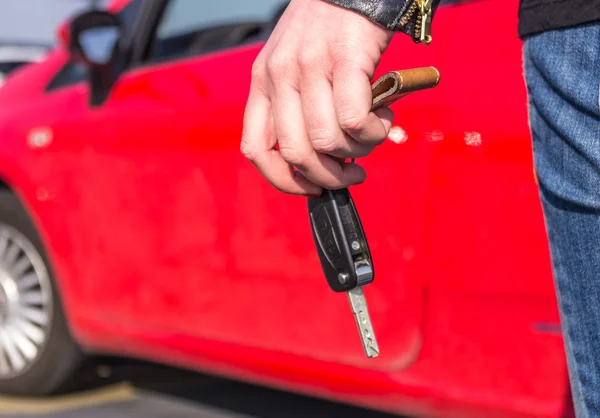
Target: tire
29 303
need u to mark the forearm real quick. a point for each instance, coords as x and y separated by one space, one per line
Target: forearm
407 16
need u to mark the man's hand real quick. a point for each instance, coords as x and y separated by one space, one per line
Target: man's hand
311 94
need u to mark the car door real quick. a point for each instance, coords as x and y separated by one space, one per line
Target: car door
146 155
184 237
492 307
57 123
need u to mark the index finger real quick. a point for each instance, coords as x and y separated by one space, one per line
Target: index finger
258 146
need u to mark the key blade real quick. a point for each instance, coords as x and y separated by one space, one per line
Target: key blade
358 303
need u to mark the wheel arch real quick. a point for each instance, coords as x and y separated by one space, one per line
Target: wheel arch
7 186
4 186
53 359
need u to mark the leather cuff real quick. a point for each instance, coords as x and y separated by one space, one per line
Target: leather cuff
390 14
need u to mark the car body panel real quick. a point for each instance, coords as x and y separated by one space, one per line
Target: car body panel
167 244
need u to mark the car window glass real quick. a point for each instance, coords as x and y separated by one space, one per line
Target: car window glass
128 16
70 74
192 27
7 67
73 72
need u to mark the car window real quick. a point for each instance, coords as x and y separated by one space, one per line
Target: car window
192 27
72 72
9 66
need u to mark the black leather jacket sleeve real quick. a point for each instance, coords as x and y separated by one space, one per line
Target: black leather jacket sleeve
395 15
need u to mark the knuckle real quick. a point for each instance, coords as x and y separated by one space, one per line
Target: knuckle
248 150
258 69
308 59
294 157
325 146
280 65
347 58
323 142
352 123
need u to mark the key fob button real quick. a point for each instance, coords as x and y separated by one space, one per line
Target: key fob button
364 273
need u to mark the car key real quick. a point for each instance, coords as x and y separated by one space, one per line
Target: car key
344 254
337 230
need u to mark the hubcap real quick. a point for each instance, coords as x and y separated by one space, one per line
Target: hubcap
25 303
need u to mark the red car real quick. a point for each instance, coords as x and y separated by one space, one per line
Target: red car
131 224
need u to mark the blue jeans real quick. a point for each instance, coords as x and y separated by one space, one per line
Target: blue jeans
562 72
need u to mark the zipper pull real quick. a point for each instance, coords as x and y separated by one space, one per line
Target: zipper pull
425 13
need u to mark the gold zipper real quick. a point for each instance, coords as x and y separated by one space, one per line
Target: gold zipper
422 31
409 13
424 21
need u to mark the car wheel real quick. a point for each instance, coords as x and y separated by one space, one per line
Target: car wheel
37 353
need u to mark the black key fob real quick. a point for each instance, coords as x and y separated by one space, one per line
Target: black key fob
340 239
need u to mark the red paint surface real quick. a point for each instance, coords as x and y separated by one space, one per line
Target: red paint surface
167 244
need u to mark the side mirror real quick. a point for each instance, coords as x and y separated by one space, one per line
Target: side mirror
94 41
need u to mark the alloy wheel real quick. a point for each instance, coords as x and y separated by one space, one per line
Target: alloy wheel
25 303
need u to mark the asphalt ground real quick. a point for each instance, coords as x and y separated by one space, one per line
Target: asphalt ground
116 388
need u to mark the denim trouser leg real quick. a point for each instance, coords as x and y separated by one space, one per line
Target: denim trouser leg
562 70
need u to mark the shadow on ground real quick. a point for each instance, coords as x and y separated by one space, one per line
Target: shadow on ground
194 389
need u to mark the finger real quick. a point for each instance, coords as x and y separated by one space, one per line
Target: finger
322 125
295 146
386 115
258 145
353 98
